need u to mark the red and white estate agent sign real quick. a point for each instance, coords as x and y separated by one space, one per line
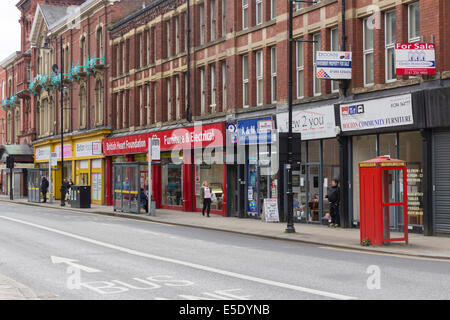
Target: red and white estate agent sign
415 59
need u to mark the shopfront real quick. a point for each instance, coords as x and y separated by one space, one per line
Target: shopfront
319 162
387 126
255 137
188 157
84 163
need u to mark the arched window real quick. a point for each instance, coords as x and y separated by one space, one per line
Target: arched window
44 117
99 42
51 117
66 111
82 107
9 128
99 92
17 126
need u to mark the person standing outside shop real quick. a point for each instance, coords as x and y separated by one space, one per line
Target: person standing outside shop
205 194
44 188
334 196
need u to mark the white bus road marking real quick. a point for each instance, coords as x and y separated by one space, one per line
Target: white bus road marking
71 262
188 264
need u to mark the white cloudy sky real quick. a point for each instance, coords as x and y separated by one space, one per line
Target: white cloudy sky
9 28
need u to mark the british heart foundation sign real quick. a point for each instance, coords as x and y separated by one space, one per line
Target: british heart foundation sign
183 138
415 59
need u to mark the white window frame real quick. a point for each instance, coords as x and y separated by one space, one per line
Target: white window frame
273 9
169 99
334 83
259 78
169 40
202 24
224 85
245 14
389 46
273 74
202 91
177 35
224 21
141 50
212 71
149 109
245 82
367 52
259 12
177 98
141 106
317 83
213 13
300 69
416 38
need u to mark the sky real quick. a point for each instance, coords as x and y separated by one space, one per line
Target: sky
9 28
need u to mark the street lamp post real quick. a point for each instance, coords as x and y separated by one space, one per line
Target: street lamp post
188 73
290 203
61 73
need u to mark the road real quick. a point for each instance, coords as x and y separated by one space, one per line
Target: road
70 255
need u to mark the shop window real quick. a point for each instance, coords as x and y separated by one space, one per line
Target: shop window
364 148
314 151
171 182
411 152
388 145
331 169
213 174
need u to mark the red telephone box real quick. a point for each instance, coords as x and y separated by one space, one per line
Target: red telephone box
383 200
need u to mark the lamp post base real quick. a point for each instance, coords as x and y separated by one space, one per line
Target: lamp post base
290 229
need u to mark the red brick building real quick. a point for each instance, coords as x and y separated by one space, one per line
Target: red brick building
81 27
239 72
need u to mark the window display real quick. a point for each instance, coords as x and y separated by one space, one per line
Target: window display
214 175
411 151
171 184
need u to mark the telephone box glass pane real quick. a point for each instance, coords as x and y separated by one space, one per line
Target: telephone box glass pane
393 222
392 186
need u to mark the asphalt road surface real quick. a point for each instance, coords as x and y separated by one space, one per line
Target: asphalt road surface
76 256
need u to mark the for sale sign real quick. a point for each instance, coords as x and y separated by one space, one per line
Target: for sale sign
334 65
415 59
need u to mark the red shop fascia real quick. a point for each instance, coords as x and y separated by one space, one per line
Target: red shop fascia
186 139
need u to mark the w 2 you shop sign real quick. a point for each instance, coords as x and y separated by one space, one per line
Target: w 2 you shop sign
415 59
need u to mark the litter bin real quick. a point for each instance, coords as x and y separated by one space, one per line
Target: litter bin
80 197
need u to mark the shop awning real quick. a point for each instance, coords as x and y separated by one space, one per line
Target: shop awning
21 153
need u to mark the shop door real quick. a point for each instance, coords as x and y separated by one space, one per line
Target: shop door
441 182
233 191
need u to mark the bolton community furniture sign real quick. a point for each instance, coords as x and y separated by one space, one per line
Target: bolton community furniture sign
415 58
380 113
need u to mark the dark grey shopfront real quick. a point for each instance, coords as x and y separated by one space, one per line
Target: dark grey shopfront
438 133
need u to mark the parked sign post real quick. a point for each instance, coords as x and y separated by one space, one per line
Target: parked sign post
415 59
53 163
154 153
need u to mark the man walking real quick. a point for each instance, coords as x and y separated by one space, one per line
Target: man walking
44 188
334 199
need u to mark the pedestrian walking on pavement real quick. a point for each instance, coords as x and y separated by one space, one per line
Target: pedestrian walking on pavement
205 194
334 196
44 188
144 200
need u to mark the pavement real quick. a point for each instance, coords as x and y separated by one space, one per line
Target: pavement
419 246
12 290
